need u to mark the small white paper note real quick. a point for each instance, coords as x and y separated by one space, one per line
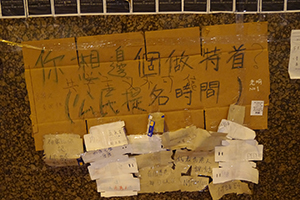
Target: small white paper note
235 130
241 151
141 144
62 149
105 136
237 171
117 168
111 153
236 113
294 64
257 108
124 182
218 190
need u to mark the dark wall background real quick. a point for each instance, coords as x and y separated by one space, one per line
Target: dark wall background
24 175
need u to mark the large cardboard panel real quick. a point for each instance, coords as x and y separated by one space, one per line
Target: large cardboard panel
111 77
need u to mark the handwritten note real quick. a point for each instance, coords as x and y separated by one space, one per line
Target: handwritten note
114 75
141 144
202 162
239 150
193 183
190 137
104 170
105 155
235 130
219 190
236 113
124 182
152 159
62 149
294 65
159 179
105 136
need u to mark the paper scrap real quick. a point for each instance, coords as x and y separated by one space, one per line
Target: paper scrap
219 190
141 144
190 138
238 171
152 159
257 108
118 193
111 153
119 167
193 183
105 136
232 163
209 143
294 65
159 179
242 151
62 149
235 130
236 113
124 182
202 162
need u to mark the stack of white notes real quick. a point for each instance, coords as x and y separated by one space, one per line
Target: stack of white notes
235 156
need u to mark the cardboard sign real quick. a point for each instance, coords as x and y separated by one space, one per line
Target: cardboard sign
74 81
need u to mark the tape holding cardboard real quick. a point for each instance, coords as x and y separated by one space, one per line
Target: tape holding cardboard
236 113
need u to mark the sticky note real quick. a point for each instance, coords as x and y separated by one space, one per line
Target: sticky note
235 130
